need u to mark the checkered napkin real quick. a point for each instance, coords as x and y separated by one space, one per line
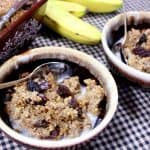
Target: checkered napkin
130 127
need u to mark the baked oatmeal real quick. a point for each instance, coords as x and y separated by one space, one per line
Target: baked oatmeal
137 49
5 5
50 110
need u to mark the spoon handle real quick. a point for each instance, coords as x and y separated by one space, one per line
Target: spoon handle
125 27
125 23
12 83
53 66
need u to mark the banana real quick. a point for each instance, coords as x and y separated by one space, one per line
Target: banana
100 6
68 25
40 13
73 8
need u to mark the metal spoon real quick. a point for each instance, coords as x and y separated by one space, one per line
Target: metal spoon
58 68
119 45
125 25
125 35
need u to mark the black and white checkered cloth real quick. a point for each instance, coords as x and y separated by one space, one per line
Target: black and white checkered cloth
130 127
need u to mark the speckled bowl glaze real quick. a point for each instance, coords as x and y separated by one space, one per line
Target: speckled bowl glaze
133 18
80 58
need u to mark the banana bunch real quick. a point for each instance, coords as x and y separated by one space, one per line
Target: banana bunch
63 16
100 6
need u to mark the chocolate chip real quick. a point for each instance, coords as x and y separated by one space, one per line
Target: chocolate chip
42 96
73 103
80 112
33 86
41 102
41 124
44 85
63 91
142 39
54 133
140 51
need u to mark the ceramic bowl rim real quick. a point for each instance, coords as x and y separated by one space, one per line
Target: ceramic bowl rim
69 142
127 69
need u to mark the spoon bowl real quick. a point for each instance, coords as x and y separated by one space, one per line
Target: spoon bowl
60 69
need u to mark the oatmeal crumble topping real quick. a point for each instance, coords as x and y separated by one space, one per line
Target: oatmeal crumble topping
49 110
137 49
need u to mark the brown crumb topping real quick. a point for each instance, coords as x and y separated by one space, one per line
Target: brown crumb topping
38 107
137 49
